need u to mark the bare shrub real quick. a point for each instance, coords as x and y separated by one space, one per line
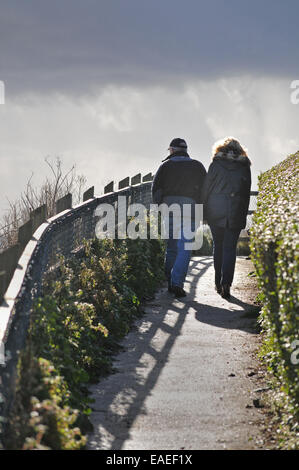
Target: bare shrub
57 184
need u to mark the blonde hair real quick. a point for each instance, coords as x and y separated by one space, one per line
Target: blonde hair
229 145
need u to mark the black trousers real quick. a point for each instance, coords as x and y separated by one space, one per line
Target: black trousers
224 253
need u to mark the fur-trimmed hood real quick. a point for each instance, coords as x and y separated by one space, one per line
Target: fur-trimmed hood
232 157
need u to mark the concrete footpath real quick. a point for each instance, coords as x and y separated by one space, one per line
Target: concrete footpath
188 377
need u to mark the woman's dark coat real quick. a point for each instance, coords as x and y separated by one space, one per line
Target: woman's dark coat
227 191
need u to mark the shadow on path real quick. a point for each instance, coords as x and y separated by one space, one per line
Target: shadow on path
228 319
119 398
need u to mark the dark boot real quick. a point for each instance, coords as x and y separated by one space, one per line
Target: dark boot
225 291
178 291
218 288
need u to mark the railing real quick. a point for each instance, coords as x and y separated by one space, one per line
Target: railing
244 235
23 265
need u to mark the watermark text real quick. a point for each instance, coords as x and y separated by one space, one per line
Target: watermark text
178 222
2 354
295 353
2 92
295 94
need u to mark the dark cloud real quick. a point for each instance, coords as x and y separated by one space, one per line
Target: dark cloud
73 45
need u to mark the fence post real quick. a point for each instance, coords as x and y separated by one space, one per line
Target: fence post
109 188
64 203
2 284
25 233
38 216
136 179
88 194
148 177
8 261
124 183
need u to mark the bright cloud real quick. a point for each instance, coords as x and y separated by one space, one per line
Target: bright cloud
121 130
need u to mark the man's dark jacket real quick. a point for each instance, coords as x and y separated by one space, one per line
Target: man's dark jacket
227 191
179 175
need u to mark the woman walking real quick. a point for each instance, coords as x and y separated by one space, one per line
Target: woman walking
226 201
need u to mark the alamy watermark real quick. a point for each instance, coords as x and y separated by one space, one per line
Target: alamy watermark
2 354
294 97
295 353
2 92
179 222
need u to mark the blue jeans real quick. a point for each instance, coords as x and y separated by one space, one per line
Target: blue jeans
224 253
177 257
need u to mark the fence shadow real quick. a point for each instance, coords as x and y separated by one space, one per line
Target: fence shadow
120 398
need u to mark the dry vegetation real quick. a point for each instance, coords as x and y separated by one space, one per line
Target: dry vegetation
57 184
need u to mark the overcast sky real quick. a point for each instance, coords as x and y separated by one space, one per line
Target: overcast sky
107 84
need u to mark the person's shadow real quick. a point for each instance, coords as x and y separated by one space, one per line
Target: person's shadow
244 320
234 314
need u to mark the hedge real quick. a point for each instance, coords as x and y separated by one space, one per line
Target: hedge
275 254
87 306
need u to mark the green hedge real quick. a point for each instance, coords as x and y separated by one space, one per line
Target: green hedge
87 306
275 254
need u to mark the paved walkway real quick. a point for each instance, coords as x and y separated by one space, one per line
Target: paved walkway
188 375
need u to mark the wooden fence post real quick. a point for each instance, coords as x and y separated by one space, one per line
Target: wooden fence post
25 233
38 216
124 183
136 179
109 188
88 194
148 177
2 284
8 262
64 203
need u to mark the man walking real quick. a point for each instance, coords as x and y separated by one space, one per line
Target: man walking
179 180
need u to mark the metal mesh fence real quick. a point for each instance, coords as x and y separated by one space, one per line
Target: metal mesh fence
64 235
